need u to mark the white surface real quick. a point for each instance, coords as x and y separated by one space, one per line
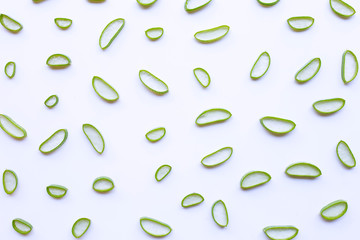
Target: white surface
131 161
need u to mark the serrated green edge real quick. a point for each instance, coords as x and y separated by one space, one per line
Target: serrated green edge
16 181
331 205
157 222
103 178
102 139
49 138
74 225
190 10
15 124
304 67
56 187
212 29
102 80
63 19
11 19
343 66
252 69
281 227
114 36
226 213
22 221
329 100
280 119
217 151
203 70
13 73
194 204
152 29
300 18
156 173
153 90
255 185
352 155
55 103
59 65
303 176
215 121
339 14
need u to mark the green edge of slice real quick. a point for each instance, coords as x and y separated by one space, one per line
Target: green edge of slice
161 91
352 10
147 33
17 126
198 77
9 191
13 21
300 18
332 204
214 153
64 61
190 10
84 231
280 120
87 125
23 222
192 204
223 29
162 129
59 20
225 211
49 99
303 165
104 179
12 74
114 35
56 187
281 229
343 66
257 184
349 151
50 138
257 60
213 110
155 222
104 83
329 101
304 67
168 167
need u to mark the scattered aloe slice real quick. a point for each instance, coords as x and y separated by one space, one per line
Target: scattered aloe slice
162 172
254 179
10 69
11 127
341 8
345 155
194 5
154 33
219 213
146 3
281 232
55 141
51 101
329 106
268 3
215 115
21 226
218 157
103 184
58 61
212 34
303 170
154 227
10 24
334 210
104 90
261 66
80 227
277 125
349 66
309 71
94 137
192 199
300 23
202 76
56 191
155 134
63 23
153 83
10 181
110 32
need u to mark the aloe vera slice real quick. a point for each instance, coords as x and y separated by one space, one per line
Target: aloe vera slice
349 66
218 157
254 179
202 76
192 199
154 33
212 34
10 181
156 134
104 90
334 210
341 8
153 83
261 66
309 71
94 137
51 101
58 61
194 5
162 172
277 125
345 155
211 116
11 127
285 232
328 106
146 3
56 191
10 69
55 141
220 214
103 184
110 32
268 3
300 23
21 226
63 23
10 24
154 227
303 170
80 227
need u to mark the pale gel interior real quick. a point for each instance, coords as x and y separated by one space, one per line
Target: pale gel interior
58 60
154 228
80 227
10 181
277 125
261 65
217 158
103 184
254 179
202 77
110 31
212 34
51 101
53 142
11 24
334 210
300 23
154 135
56 191
162 172
303 170
104 90
345 155
329 106
351 66
192 4
281 233
154 33
191 200
212 116
219 213
94 137
341 8
63 23
309 71
10 69
152 82
146 1
10 127
22 227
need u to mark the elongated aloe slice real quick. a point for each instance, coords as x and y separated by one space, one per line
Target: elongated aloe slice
300 23
162 172
281 232
110 32
329 106
277 125
192 199
94 137
261 66
219 213
154 227
10 24
341 8
215 115
345 155
55 141
268 2
218 157
10 69
104 90
10 181
21 226
11 127
309 71
56 191
334 210
63 23
156 134
153 83
349 66
212 34
58 61
194 5
146 3
80 227
254 179
103 184
51 101
303 170
202 76
154 33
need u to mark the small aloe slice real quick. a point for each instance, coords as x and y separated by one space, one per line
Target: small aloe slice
268 3
328 106
218 157
194 5
219 213
309 71
58 61
154 33
162 172
300 23
202 76
55 141
156 134
285 232
80 227
303 170
110 32
104 90
341 8
212 34
21 226
10 181
345 155
349 66
94 137
153 83
56 191
277 125
103 184
11 127
154 227
146 3
63 23
10 69
261 66
10 24
192 199
334 210
51 101
254 179
215 115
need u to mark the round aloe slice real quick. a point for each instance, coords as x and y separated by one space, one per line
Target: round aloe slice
10 181
194 5
146 3
303 170
212 34
156 134
10 24
192 199
341 8
261 66
349 66
63 23
334 210
103 184
202 76
153 83
154 227
254 179
345 155
11 127
277 125
162 172
268 3
110 32
104 90
55 141
94 137
10 69
21 226
154 33
220 214
51 101
218 157
285 232
80 227
56 191
309 71
58 61
211 116
328 106
300 23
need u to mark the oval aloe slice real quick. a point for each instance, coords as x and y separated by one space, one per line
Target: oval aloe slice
58 61
154 33
254 179
345 155
261 66
10 24
94 137
110 32
55 141
80 227
155 134
277 125
63 23
281 232
11 127
215 115
329 106
146 3
56 191
194 5
51 101
303 170
153 83
349 66
309 71
162 172
103 184
10 181
202 76
10 69
342 9
268 3
334 210
154 227
219 213
192 199
218 157
300 23
104 90
21 226
212 34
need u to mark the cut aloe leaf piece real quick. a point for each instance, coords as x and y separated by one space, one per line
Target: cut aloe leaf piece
11 127
10 24
218 157
146 3
268 3
334 210
10 181
104 90
21 226
202 76
261 66
63 23
285 232
162 172
103 184
10 69
277 125
254 179
220 214
328 106
80 227
194 5
192 199
154 33
211 116
55 141
94 137
51 101
342 9
345 155
212 34
300 23
154 227
153 83
303 170
110 32
56 191
309 71
58 61
349 66
156 134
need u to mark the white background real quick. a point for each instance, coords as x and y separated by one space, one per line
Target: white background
131 161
